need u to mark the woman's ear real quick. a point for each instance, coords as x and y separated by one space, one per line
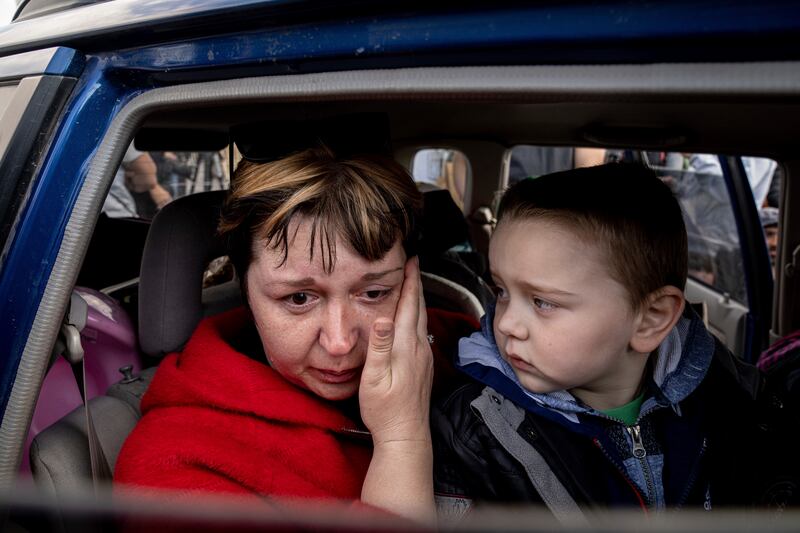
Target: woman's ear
657 316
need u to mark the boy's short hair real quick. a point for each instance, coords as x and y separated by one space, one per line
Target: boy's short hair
623 207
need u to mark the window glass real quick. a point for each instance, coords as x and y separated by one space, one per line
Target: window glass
146 181
715 255
528 161
444 169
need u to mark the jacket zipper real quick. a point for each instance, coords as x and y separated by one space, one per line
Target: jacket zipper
641 454
643 503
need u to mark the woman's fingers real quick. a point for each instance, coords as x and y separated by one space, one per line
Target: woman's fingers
422 321
407 314
408 329
379 353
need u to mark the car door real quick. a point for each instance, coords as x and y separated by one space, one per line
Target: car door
34 90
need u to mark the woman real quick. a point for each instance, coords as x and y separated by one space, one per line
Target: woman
323 248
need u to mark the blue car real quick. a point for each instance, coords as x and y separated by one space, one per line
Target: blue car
110 111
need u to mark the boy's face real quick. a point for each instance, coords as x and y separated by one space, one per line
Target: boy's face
562 322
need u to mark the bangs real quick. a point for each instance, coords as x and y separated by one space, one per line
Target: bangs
367 202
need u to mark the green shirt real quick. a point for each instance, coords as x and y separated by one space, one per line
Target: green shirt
628 413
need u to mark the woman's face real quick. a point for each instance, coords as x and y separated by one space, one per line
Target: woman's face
315 326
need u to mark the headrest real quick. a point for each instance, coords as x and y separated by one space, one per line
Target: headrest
181 242
443 223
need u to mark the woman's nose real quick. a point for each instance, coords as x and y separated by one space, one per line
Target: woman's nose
339 330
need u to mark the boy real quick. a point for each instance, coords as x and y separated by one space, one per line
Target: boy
594 385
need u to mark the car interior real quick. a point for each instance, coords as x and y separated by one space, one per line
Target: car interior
152 272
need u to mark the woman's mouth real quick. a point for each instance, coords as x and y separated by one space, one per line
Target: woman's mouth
337 376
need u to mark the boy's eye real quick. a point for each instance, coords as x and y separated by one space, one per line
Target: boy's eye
543 305
499 292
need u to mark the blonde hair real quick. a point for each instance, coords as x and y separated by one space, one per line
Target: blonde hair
369 201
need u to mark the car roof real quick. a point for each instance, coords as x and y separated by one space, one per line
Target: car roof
295 37
28 9
506 32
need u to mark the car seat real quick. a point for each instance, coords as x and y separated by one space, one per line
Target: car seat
445 251
181 242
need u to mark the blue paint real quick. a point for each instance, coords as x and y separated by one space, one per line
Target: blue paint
42 223
397 28
528 32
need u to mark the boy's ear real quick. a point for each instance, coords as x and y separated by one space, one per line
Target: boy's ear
657 317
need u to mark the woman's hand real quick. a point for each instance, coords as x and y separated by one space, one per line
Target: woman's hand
394 397
395 390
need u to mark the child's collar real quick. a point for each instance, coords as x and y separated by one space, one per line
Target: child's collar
679 366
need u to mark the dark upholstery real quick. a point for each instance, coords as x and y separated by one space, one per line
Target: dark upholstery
444 227
181 242
443 224
60 453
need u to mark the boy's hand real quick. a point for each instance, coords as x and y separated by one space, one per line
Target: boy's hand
395 390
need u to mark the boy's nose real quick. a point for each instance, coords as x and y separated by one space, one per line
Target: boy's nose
339 330
508 323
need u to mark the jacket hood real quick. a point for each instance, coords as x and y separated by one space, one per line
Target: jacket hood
215 420
680 364
210 374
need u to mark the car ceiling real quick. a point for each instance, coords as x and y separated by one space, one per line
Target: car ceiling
692 124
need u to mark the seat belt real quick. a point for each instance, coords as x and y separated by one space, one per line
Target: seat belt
70 339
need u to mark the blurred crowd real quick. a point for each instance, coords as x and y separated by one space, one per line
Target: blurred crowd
147 181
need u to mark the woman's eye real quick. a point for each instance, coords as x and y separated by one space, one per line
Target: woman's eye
543 305
298 298
376 294
300 301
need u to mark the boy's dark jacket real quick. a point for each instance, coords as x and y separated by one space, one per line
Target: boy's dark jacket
703 428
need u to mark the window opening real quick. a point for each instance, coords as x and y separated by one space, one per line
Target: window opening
442 168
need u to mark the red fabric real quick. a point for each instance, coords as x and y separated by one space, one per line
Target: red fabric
447 328
215 420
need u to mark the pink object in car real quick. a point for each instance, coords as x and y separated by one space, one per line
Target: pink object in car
109 343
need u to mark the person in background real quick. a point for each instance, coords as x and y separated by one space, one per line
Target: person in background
135 191
173 171
769 221
759 170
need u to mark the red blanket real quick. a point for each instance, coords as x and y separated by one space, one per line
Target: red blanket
215 420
